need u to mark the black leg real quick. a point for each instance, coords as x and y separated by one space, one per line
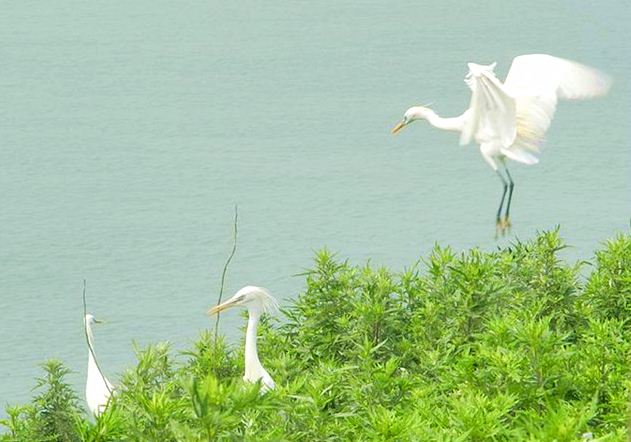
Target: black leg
499 210
510 193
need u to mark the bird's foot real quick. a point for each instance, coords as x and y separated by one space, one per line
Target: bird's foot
499 228
502 226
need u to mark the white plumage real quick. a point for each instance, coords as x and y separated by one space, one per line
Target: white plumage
518 113
97 387
510 120
257 300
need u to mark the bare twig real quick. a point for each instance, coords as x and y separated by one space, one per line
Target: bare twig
225 269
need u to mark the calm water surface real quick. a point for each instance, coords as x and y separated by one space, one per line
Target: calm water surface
130 130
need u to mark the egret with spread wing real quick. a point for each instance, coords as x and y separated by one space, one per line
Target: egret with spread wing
258 301
509 120
97 388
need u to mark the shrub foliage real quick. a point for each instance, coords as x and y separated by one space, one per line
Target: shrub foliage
512 345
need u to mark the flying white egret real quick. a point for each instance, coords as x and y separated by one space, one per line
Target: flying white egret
257 300
509 121
97 387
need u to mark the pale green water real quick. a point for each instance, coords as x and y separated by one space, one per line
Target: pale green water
129 130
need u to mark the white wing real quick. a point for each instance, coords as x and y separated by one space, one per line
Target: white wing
492 108
537 82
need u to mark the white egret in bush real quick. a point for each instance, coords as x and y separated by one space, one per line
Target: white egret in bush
509 120
97 387
257 300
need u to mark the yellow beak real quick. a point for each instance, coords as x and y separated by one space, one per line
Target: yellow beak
223 306
400 125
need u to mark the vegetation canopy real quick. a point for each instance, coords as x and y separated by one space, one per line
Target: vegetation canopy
512 345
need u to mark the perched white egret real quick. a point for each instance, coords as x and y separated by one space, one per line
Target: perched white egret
257 300
509 121
97 387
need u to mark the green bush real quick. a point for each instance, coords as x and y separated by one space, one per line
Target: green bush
51 415
511 345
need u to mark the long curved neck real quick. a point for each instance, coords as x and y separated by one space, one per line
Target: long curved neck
88 331
455 124
252 363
